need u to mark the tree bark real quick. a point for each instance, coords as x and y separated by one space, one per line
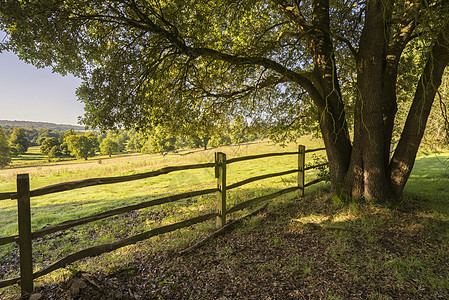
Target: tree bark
404 157
332 117
362 169
367 173
325 89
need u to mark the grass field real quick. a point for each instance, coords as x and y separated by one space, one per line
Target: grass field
426 201
56 208
59 207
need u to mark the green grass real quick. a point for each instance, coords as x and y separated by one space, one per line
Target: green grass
33 156
56 208
429 182
134 163
406 247
372 250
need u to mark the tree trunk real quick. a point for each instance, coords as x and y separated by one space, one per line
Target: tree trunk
331 111
363 169
404 157
367 172
205 142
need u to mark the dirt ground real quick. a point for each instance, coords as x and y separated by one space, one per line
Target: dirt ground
271 260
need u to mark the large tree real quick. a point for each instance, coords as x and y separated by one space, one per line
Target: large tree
149 63
82 145
19 142
48 144
109 145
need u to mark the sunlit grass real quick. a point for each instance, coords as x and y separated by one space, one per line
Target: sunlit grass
64 206
407 250
55 208
33 156
429 182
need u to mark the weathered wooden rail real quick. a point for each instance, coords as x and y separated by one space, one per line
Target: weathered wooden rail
24 194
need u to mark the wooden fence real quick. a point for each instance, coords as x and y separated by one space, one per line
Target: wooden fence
24 194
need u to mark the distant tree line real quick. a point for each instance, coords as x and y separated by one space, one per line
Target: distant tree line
39 125
35 136
56 144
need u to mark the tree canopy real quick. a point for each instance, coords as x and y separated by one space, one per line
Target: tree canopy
111 145
82 145
19 142
48 144
150 63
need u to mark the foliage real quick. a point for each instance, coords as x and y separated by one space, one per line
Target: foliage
136 141
44 133
122 138
288 67
82 146
109 146
63 141
54 152
323 171
221 140
5 155
48 144
35 136
159 142
19 142
238 130
436 135
94 144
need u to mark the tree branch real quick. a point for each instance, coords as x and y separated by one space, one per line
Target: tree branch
173 37
295 15
348 43
272 80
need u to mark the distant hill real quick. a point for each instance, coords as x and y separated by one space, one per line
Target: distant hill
39 125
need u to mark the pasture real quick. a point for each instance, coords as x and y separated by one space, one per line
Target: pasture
347 234
57 208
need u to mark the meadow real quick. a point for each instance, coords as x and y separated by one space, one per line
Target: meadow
56 208
423 214
63 206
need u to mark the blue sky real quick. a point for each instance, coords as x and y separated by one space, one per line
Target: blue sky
31 94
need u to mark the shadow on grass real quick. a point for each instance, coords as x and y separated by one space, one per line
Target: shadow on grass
51 214
28 156
114 227
356 250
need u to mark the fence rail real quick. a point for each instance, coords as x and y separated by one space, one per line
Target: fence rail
106 214
6 196
256 178
67 186
24 194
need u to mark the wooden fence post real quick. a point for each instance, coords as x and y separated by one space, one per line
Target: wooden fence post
25 250
301 166
220 174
